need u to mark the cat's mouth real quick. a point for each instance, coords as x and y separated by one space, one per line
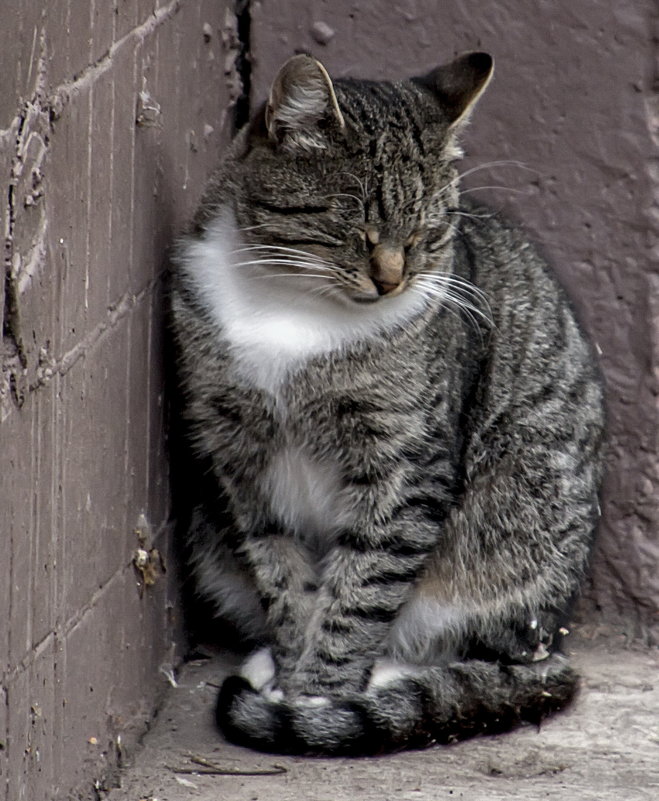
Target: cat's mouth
378 292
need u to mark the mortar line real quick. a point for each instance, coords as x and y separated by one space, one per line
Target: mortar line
33 653
141 32
62 631
126 304
78 616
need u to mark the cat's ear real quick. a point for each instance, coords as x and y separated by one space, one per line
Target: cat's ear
301 106
459 85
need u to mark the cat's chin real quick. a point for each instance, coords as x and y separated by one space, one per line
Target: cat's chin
365 299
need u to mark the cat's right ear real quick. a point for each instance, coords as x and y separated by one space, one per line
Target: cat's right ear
301 106
459 85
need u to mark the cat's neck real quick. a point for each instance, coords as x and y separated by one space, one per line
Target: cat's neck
273 325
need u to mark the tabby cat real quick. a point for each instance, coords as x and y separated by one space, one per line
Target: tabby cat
397 425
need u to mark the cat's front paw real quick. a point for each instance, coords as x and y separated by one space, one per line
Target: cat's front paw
311 701
388 672
259 669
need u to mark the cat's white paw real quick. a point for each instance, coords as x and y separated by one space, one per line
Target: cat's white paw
387 672
312 701
272 693
259 669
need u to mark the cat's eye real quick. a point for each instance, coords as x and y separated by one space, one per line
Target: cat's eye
413 239
436 242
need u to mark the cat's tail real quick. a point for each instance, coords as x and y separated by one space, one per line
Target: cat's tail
437 705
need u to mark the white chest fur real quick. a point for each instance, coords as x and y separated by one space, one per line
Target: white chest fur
307 496
274 323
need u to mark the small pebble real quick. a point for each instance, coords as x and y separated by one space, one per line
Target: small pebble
322 32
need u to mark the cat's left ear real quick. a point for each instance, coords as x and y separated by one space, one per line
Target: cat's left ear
301 106
459 85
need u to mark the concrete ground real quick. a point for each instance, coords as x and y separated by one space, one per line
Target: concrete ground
605 747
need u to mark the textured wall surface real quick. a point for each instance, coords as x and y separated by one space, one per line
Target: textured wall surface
574 104
111 113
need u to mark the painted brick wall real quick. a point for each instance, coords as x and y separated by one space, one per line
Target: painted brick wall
574 102
112 113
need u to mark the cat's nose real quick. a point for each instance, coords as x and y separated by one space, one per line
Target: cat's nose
387 265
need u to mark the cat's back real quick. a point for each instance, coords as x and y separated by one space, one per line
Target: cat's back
522 291
537 364
502 259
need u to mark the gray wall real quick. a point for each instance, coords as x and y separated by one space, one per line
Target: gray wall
94 179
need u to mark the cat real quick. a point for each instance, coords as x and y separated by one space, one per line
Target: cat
397 424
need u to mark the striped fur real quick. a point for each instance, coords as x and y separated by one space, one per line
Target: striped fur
398 468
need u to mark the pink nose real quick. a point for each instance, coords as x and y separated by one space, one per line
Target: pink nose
387 265
383 287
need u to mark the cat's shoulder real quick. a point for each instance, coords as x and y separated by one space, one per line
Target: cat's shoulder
502 254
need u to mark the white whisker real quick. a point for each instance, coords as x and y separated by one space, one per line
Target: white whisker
451 304
285 275
293 263
327 289
266 262
493 186
347 194
450 279
294 253
479 167
252 227
441 286
282 248
460 213
359 183
502 163
469 310
427 297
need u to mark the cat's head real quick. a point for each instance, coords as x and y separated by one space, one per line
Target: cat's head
353 181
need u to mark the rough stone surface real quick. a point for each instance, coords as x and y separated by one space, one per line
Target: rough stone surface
112 113
603 749
573 111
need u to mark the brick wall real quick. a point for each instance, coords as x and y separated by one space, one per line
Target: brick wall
112 113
